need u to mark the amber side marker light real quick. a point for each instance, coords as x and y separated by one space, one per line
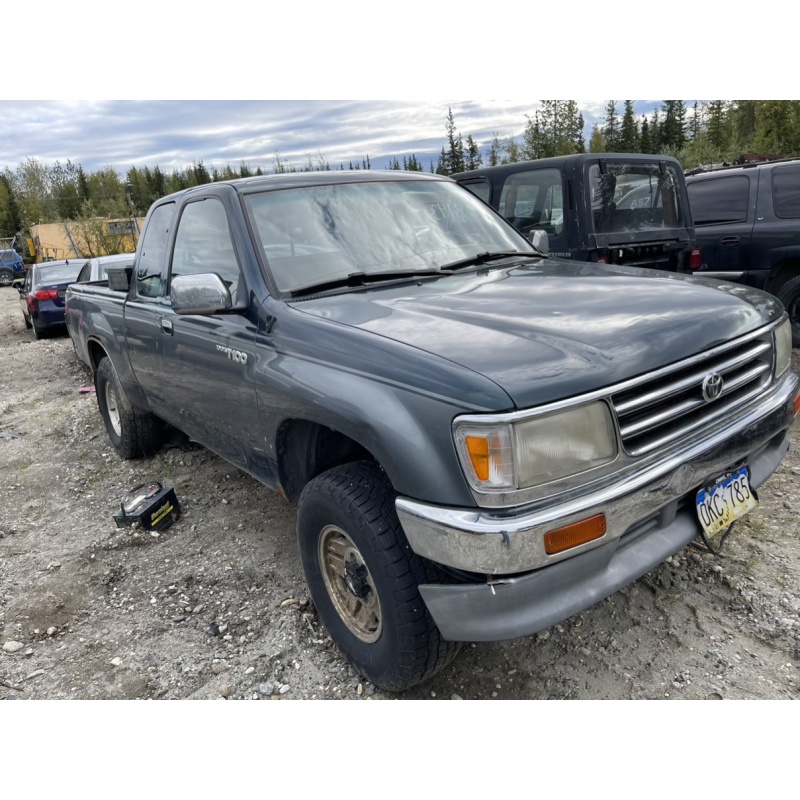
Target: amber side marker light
587 530
796 403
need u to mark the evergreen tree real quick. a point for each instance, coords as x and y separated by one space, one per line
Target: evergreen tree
655 132
442 167
741 116
695 122
580 142
645 140
611 130
454 156
473 155
673 126
629 135
717 129
137 187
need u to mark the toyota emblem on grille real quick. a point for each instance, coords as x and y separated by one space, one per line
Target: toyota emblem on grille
712 386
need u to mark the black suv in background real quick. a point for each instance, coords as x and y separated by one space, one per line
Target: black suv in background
747 224
615 208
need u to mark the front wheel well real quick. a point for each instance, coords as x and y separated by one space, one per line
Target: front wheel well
306 449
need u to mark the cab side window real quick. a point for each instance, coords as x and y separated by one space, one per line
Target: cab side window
149 282
203 244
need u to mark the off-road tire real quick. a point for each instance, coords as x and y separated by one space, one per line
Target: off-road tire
6 277
789 295
358 500
133 432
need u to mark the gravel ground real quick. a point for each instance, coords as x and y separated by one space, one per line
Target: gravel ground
216 606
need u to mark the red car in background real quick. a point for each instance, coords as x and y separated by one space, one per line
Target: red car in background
42 294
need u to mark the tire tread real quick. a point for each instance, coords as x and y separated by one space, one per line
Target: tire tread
363 490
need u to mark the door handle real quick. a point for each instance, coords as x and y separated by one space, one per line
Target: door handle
728 241
166 326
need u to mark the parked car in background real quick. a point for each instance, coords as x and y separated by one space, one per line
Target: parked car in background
11 267
747 224
95 268
610 208
42 294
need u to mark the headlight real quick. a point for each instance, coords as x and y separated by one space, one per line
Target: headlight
520 454
783 347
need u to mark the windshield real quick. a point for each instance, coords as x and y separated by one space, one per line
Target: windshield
319 234
636 196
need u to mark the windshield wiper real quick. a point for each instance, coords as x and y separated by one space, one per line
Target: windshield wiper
482 258
356 279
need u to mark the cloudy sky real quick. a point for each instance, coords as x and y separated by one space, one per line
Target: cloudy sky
174 134
61 86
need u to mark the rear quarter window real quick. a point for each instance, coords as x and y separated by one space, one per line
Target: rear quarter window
786 192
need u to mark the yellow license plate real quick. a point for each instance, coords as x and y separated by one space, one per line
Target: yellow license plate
729 498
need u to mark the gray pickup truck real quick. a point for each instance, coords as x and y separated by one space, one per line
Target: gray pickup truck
482 440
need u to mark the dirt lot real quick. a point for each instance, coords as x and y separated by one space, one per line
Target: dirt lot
216 605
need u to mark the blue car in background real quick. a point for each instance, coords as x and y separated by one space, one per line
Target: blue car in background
42 294
11 267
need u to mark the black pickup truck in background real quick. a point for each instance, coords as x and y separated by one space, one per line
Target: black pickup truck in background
482 440
747 224
608 208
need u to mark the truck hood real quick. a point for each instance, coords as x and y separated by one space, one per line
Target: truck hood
553 329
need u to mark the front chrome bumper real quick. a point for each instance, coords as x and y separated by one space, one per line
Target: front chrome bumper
496 542
485 541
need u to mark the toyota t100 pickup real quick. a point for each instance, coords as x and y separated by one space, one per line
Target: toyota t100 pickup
482 441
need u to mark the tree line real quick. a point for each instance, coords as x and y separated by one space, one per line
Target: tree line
707 132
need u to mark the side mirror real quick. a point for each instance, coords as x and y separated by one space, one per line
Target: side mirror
200 294
540 241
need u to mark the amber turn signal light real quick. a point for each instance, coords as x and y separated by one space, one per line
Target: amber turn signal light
796 403
478 449
587 530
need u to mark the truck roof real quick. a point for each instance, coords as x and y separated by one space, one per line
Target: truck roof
291 180
559 161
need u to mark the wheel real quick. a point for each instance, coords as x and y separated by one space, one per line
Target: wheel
38 331
133 432
6 277
789 295
363 578
27 321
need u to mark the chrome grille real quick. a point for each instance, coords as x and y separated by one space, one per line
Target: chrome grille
671 406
